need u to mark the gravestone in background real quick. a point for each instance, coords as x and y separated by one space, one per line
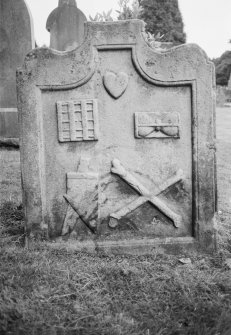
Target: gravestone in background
118 142
16 40
66 26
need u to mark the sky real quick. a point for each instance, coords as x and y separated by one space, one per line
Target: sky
207 22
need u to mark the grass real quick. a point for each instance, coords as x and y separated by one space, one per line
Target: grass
48 289
10 182
224 174
54 291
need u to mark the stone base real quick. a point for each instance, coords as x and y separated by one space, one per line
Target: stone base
131 247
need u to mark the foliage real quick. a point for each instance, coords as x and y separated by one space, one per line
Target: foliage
11 219
223 68
154 41
164 17
104 17
126 12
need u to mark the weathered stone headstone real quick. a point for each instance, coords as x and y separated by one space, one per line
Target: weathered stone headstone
16 40
229 83
118 142
66 26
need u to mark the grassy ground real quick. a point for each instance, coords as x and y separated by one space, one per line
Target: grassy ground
10 182
49 290
224 168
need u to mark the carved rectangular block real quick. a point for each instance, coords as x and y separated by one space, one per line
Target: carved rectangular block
157 125
77 120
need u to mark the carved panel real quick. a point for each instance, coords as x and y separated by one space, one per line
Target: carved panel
77 120
82 197
145 195
157 125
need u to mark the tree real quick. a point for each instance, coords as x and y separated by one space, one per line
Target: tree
126 12
104 17
223 68
164 17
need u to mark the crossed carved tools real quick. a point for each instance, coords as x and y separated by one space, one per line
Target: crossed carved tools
117 168
146 196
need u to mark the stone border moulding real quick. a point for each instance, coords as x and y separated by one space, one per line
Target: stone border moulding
174 67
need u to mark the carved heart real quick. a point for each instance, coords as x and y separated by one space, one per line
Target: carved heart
115 84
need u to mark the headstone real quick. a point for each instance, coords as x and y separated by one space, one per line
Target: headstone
118 142
66 26
16 40
229 83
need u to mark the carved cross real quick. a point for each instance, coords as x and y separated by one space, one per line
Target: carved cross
146 195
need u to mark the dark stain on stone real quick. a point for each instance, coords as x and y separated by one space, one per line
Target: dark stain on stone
58 218
71 147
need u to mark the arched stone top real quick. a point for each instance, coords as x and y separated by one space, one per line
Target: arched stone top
56 12
183 63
